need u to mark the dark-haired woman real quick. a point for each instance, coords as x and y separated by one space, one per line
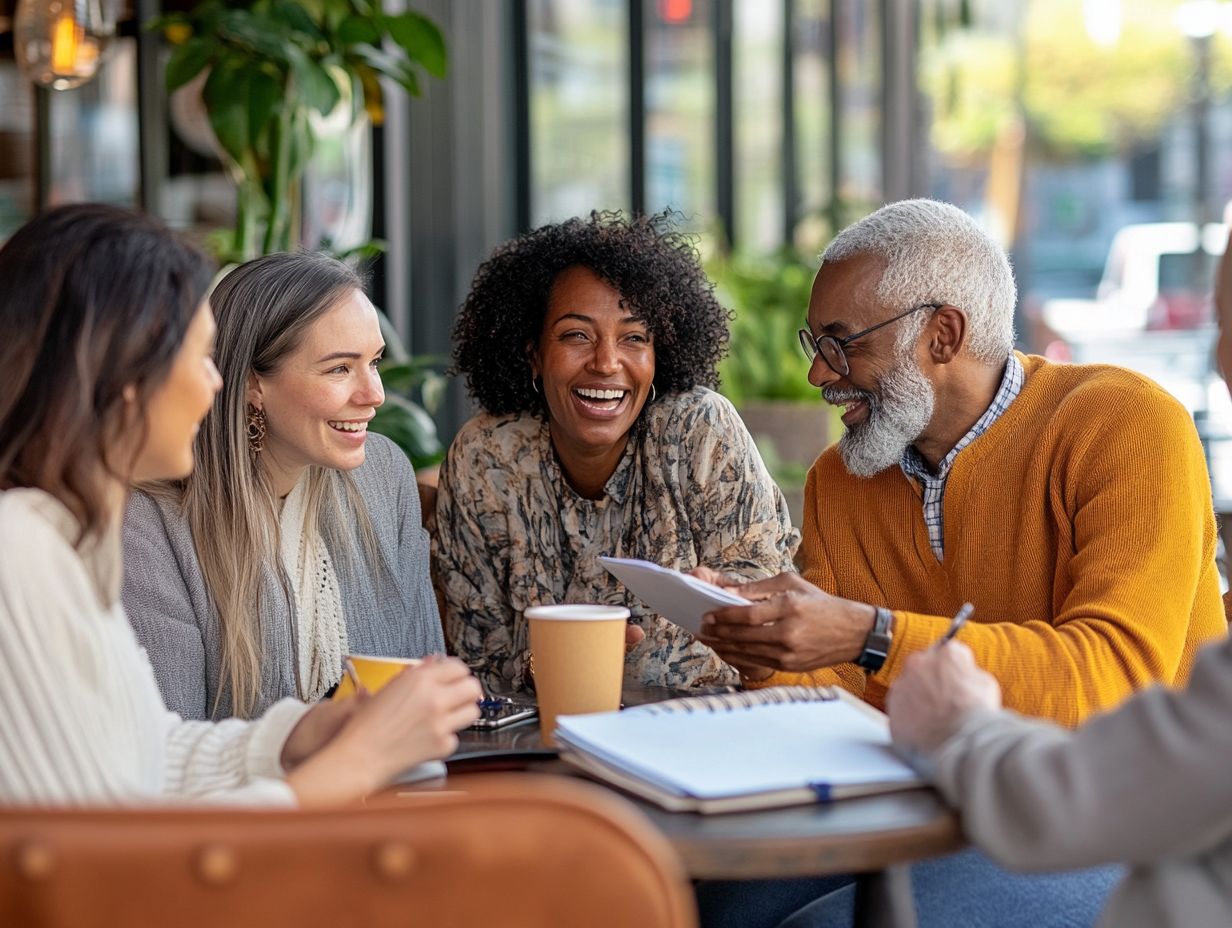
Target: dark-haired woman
107 359
592 346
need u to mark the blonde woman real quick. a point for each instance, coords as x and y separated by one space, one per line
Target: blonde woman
108 370
298 537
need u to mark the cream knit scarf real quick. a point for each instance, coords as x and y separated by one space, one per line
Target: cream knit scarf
318 603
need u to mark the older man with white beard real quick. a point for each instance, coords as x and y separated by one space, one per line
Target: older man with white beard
1069 504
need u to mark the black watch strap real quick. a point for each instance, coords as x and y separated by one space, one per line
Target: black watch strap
877 644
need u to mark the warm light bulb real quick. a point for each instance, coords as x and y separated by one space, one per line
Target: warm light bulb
60 43
65 40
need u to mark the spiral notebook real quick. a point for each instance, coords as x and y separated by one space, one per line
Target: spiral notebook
738 752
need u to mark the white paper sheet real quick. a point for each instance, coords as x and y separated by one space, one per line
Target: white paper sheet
676 596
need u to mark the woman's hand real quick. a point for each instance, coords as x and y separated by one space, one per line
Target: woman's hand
414 718
937 688
318 727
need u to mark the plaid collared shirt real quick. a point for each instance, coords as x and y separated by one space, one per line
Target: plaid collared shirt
933 485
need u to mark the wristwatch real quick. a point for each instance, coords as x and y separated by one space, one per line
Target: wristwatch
877 644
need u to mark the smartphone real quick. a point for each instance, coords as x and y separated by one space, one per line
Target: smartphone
501 713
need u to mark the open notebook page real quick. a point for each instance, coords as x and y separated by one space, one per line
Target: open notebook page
743 751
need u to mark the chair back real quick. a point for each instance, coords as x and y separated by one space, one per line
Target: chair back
510 850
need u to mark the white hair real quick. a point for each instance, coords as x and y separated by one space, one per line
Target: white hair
936 253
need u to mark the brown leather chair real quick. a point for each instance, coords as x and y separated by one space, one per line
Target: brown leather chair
509 851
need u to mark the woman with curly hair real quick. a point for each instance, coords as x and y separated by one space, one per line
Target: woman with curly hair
592 347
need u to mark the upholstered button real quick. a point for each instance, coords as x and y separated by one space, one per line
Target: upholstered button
35 861
393 860
216 864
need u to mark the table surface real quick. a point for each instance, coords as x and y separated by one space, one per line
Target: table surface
847 836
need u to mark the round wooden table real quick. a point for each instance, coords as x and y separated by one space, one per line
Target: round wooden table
874 838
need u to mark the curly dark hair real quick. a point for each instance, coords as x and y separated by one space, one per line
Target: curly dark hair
656 271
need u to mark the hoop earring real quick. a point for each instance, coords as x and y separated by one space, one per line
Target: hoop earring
534 384
256 429
652 393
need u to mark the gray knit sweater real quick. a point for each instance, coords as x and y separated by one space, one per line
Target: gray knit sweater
166 600
1147 784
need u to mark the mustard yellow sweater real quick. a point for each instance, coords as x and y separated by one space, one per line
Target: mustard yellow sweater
1080 525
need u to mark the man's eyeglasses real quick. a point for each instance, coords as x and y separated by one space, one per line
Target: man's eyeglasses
831 348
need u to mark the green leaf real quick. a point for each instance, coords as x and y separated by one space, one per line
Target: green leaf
373 248
409 373
189 60
264 92
297 18
265 36
410 427
159 23
395 349
226 101
358 29
315 86
303 143
433 391
402 376
390 65
421 39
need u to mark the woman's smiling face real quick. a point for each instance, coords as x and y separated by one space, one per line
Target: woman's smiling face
596 361
320 399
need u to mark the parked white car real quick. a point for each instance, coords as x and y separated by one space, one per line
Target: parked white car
1153 279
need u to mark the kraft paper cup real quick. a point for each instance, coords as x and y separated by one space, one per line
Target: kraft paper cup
373 672
578 654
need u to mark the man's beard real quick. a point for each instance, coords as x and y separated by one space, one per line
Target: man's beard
898 413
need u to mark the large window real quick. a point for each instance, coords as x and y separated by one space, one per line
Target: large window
579 107
757 40
1091 138
94 138
680 111
858 65
812 131
90 141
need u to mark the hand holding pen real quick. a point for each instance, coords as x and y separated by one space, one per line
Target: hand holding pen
959 620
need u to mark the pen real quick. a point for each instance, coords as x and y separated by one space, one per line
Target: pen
352 675
959 620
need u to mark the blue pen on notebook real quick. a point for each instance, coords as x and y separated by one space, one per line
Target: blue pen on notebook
959 620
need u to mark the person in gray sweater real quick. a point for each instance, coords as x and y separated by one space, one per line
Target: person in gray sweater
298 539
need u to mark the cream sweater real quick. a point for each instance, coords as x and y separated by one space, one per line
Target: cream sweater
82 721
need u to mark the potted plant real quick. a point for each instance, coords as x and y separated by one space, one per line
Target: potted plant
766 374
275 76
276 68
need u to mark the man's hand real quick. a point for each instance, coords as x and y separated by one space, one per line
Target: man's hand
936 689
791 626
634 635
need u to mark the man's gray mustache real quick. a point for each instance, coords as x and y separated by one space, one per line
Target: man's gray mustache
839 397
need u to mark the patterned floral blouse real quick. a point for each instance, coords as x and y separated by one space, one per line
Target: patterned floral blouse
690 490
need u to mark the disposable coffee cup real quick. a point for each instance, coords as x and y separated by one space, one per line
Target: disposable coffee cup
578 660
373 672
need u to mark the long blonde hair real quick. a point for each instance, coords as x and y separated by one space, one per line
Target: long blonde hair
263 310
